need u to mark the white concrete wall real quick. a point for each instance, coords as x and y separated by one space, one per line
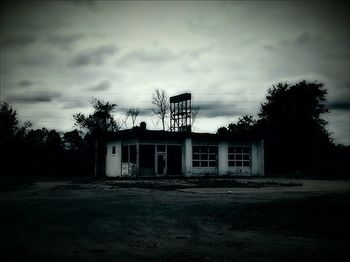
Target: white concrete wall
114 165
202 171
258 158
254 160
113 161
187 157
239 170
223 158
242 170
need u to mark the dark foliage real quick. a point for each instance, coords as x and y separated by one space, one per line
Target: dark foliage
98 125
40 152
246 127
12 139
295 135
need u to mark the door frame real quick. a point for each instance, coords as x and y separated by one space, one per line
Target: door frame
165 163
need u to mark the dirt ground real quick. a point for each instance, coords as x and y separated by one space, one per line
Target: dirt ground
175 220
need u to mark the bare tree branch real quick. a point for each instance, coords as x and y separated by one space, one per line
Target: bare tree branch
160 100
195 111
133 113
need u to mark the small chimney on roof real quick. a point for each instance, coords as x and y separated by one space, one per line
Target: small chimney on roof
143 126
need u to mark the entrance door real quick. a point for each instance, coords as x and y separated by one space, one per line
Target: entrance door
174 161
161 164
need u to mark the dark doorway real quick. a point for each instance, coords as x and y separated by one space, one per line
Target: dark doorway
161 163
174 160
147 160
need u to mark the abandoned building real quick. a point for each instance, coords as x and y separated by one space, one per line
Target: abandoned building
140 152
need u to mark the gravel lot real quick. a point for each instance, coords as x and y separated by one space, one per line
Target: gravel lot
174 220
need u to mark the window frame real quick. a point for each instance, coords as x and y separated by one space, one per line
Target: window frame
204 156
239 156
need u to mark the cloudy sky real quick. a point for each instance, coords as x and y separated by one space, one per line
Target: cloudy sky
57 55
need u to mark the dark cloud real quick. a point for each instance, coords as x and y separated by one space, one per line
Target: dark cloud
148 56
331 55
269 47
101 86
91 4
94 56
25 83
144 111
303 38
63 40
33 97
30 16
43 59
72 104
220 109
340 106
19 41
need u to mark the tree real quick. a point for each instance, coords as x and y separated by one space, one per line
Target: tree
161 102
133 113
292 124
8 122
37 156
12 140
101 121
194 113
98 125
246 126
54 152
78 159
73 141
10 125
222 131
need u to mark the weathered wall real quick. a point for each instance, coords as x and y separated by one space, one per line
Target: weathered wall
114 165
258 168
242 170
223 158
187 157
113 161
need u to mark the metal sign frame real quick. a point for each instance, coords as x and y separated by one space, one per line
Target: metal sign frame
181 113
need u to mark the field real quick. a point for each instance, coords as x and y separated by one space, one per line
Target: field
174 220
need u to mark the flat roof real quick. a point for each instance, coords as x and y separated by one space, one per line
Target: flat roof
137 132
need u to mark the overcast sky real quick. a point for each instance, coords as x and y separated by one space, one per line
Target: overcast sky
57 56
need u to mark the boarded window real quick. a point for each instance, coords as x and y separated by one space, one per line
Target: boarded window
239 156
204 156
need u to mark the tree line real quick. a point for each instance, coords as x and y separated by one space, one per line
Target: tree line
296 137
290 122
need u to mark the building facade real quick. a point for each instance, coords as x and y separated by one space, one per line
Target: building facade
139 152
